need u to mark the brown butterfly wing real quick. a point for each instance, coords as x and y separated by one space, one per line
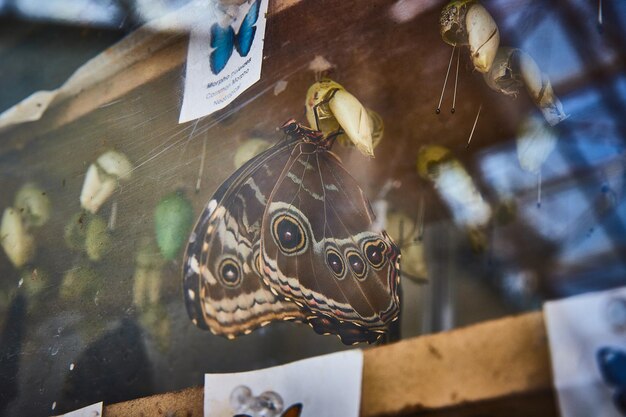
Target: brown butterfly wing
222 286
319 251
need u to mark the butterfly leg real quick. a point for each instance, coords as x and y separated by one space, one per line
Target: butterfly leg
330 139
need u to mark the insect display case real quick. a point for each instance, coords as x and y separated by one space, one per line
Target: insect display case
399 168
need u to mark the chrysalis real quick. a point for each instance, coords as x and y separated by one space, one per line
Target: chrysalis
457 190
102 178
535 142
513 69
467 22
18 243
406 232
338 109
33 204
248 150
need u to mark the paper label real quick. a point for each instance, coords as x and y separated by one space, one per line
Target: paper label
328 385
224 56
94 410
588 348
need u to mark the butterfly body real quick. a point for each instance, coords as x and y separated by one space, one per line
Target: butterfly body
288 237
224 39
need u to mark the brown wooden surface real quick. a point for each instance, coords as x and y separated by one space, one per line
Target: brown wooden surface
185 403
487 363
497 368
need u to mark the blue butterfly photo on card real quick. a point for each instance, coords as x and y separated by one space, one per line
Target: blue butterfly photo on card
611 362
224 39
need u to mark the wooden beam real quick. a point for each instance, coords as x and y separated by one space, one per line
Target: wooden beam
491 361
499 368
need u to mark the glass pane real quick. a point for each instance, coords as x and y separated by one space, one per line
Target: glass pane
496 205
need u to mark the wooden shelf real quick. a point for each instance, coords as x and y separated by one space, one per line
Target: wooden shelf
496 368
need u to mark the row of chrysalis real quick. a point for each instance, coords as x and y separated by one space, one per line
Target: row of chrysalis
508 71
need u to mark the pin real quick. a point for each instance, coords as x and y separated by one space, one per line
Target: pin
401 237
201 169
445 81
539 190
456 81
474 127
420 219
113 216
600 20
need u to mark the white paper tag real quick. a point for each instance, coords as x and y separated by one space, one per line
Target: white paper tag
94 410
588 348
224 56
328 385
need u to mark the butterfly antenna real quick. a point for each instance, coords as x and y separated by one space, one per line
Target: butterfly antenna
474 127
600 20
456 81
445 81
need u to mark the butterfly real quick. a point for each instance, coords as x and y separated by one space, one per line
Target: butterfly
287 237
293 411
224 40
612 365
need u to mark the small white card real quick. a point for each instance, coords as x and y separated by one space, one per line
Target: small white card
587 337
94 410
328 385
224 56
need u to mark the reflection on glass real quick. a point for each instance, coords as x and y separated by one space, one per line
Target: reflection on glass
84 294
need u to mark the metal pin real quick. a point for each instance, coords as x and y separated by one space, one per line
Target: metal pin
113 216
401 237
539 190
474 127
445 81
600 20
456 81
420 219
201 169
